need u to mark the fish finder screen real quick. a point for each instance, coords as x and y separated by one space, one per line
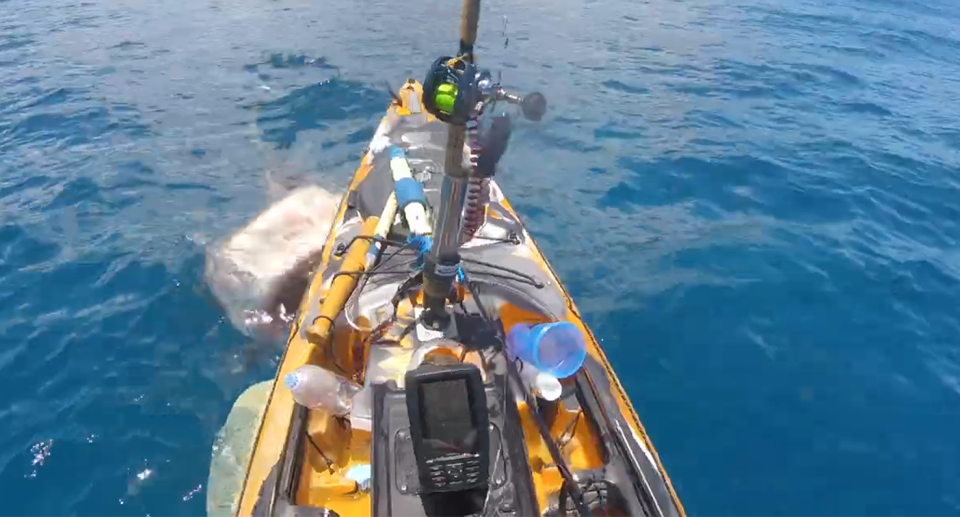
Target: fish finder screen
446 414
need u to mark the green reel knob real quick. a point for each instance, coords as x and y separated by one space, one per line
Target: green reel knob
446 98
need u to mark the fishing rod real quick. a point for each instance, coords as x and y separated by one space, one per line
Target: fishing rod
443 260
452 93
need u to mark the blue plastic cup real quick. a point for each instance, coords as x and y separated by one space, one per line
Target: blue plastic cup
555 348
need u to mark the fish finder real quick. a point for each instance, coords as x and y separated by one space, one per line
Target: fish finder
449 426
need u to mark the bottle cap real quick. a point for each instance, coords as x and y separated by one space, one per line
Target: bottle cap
291 380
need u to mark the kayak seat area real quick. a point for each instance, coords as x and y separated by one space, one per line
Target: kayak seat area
524 480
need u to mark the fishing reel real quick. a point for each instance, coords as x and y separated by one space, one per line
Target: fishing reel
453 88
533 105
450 90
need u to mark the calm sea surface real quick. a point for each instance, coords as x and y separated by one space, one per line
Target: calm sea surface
754 202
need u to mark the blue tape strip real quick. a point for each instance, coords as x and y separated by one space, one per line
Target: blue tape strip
408 191
372 252
423 243
397 152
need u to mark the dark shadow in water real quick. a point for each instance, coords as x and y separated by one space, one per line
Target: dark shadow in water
316 107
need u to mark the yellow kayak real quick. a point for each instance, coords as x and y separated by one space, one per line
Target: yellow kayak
468 381
304 461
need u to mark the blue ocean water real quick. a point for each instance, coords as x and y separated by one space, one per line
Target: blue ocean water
754 202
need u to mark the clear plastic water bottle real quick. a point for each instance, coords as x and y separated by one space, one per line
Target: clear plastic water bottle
317 388
555 348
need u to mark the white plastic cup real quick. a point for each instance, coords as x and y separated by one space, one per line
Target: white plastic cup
556 348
